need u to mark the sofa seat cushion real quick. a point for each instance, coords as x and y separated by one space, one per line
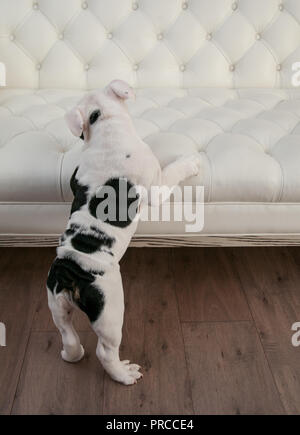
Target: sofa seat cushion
249 140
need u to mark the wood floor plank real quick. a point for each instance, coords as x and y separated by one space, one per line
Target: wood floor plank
236 306
48 385
21 280
207 286
271 281
152 338
228 370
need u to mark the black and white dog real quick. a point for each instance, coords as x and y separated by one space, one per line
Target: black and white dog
86 273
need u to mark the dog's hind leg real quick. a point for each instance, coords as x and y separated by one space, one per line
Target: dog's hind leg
108 328
62 312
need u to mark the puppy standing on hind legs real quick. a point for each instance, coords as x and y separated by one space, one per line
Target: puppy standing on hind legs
85 273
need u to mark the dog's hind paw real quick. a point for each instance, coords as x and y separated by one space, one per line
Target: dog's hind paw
127 374
73 358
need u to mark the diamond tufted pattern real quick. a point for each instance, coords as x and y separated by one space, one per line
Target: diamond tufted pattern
248 138
193 43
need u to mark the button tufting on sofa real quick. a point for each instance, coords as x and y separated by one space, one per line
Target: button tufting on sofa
257 128
186 34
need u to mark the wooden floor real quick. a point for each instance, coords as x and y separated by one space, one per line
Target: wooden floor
210 326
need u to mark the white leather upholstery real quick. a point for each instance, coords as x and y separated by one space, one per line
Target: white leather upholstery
212 76
249 140
174 43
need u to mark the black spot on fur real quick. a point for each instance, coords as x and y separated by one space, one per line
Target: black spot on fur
66 271
51 280
123 202
69 276
85 243
91 302
94 116
71 230
89 244
127 156
82 136
79 192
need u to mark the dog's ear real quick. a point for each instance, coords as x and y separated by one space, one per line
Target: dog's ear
120 89
75 121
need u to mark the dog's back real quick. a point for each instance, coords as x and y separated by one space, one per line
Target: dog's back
98 232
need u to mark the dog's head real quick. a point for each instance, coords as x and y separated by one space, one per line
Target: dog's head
98 106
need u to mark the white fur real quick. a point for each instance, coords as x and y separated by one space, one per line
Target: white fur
107 142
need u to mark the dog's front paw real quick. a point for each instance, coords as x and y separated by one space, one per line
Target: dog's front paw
191 164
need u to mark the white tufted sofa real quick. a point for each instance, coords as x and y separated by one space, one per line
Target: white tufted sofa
212 76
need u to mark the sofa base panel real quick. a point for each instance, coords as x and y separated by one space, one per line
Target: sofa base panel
167 241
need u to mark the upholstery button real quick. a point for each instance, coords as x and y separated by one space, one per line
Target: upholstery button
160 36
38 66
209 36
84 5
279 67
12 37
185 5
258 36
61 36
182 67
109 35
35 5
281 7
135 67
135 6
234 6
86 66
232 68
